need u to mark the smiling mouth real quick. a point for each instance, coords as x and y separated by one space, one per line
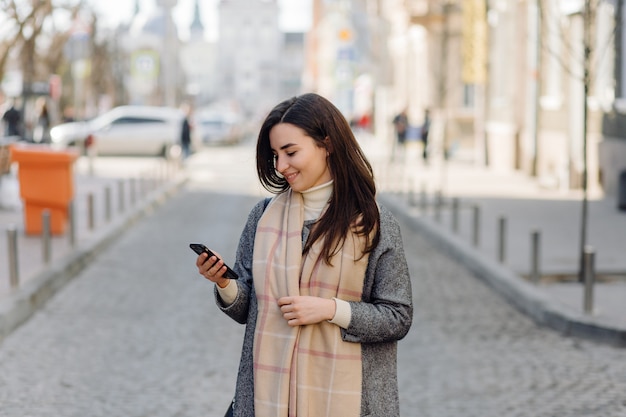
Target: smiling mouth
290 177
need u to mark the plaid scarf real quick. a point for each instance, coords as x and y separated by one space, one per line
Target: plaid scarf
303 371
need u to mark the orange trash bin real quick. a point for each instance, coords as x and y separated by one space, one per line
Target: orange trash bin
46 179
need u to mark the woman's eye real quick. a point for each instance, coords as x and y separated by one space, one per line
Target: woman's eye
291 153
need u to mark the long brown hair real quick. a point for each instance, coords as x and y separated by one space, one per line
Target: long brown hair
353 200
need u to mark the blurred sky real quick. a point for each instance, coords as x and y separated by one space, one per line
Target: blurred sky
295 14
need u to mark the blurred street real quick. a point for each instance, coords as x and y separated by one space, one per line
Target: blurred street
137 332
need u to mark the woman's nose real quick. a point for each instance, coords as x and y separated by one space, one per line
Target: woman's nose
280 165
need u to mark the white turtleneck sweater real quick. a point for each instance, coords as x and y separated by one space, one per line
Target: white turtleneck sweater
315 199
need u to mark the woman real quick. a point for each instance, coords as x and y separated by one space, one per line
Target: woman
323 284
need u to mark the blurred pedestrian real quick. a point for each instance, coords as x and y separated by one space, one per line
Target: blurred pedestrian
185 135
424 134
401 124
323 288
41 133
12 118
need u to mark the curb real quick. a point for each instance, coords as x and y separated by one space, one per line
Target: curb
523 295
19 306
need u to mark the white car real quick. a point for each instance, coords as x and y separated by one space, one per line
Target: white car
125 130
218 128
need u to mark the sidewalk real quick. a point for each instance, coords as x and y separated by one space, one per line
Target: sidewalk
410 187
119 198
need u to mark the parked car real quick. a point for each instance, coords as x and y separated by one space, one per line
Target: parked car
69 134
218 128
125 130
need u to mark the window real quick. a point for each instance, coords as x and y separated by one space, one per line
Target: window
135 120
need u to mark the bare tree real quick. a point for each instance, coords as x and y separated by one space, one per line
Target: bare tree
102 45
37 35
29 24
591 60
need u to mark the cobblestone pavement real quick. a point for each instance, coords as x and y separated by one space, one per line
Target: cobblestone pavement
469 353
137 334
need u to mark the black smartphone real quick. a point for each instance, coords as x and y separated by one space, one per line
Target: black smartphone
199 248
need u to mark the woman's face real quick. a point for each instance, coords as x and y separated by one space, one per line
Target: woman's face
298 158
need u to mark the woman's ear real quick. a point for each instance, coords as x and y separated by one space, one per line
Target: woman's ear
328 144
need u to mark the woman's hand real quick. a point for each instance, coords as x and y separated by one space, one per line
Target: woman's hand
303 310
212 268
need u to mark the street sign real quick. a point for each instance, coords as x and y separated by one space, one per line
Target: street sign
77 47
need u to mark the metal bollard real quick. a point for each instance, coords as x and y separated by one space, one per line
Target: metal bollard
502 239
590 278
423 200
121 202
151 184
107 204
91 217
411 194
45 236
71 211
145 185
475 225
14 276
535 253
140 187
455 214
133 191
438 205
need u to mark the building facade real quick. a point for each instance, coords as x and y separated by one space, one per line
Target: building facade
512 84
199 62
249 48
152 44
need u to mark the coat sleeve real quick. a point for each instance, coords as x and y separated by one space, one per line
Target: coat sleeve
385 312
238 310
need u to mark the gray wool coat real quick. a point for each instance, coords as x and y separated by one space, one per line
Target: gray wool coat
383 317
